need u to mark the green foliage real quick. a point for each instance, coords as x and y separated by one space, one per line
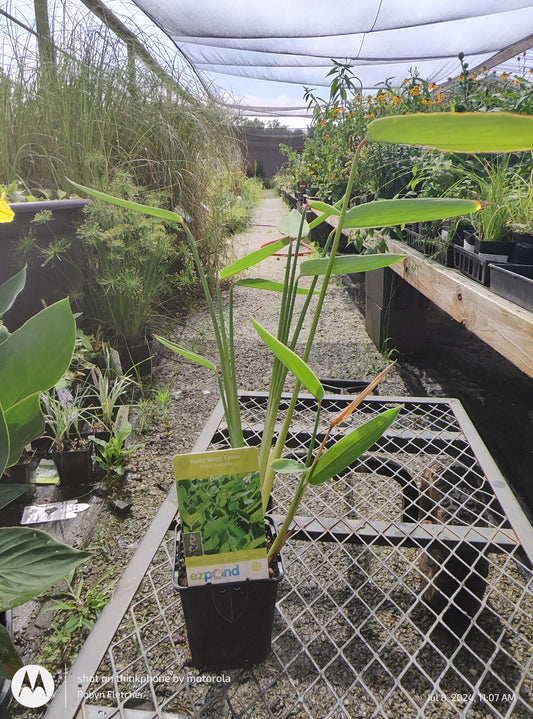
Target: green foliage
112 455
215 507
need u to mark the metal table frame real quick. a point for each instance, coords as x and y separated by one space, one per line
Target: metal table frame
512 539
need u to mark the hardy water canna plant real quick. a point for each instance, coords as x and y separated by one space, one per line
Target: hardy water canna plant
454 132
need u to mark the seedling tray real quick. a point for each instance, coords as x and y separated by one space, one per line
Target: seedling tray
408 590
514 282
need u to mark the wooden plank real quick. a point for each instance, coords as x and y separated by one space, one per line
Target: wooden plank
501 324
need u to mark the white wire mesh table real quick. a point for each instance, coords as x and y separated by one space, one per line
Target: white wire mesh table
408 591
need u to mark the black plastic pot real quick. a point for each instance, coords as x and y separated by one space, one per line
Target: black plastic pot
74 467
522 252
229 625
5 685
493 251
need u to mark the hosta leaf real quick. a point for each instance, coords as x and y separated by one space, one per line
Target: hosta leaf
456 131
260 284
10 661
10 492
10 289
383 213
4 442
348 264
290 359
35 356
243 263
186 353
25 423
127 204
352 446
288 466
30 562
290 225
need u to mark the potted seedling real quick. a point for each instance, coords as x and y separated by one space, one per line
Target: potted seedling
466 132
112 454
32 360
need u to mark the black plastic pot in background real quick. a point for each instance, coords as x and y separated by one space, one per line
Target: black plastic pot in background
229 625
493 251
45 282
514 282
522 252
74 468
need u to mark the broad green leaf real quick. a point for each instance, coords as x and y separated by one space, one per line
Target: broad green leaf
186 353
323 207
259 284
290 225
25 422
4 442
290 359
352 446
348 264
36 356
456 131
10 661
30 562
288 466
243 263
9 492
384 213
127 204
10 289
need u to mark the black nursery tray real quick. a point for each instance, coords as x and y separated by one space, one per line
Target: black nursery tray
514 282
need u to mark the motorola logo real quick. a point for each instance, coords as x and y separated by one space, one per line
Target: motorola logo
32 686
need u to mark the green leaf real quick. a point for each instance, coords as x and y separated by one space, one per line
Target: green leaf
10 492
186 353
260 284
290 225
30 562
290 359
10 661
36 356
127 204
348 264
4 442
25 422
323 207
243 263
456 131
383 213
352 446
288 466
10 289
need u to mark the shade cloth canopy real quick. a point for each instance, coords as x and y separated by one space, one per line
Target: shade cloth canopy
294 41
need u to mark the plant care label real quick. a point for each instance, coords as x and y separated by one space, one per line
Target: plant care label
222 518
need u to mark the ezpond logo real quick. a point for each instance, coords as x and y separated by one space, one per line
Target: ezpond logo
32 686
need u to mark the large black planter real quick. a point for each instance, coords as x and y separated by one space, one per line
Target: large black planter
229 625
74 468
522 252
45 283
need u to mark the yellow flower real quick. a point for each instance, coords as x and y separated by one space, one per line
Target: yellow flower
415 90
404 82
484 69
6 213
323 122
440 97
396 99
370 114
432 86
425 101
504 76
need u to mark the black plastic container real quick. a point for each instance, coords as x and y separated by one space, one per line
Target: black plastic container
514 282
229 625
74 467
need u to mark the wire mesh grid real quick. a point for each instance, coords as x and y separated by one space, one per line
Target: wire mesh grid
406 591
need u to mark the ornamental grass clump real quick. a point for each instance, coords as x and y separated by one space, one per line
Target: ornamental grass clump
454 132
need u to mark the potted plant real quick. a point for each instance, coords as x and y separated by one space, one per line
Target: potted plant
65 416
465 132
32 359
